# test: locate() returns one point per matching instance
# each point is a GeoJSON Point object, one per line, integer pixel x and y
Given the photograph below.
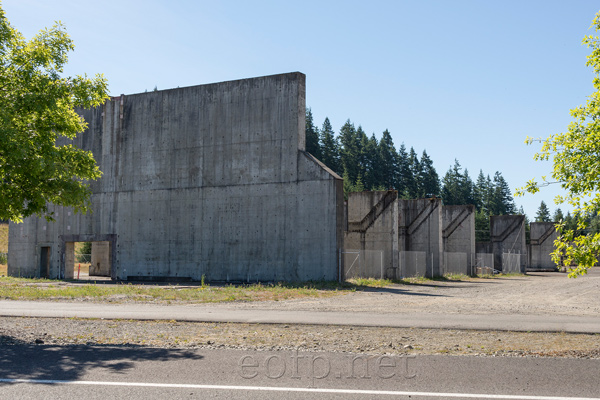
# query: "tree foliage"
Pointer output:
{"type": "Point", "coordinates": [576, 167]}
{"type": "Point", "coordinates": [543, 213]}
{"type": "Point", "coordinates": [36, 108]}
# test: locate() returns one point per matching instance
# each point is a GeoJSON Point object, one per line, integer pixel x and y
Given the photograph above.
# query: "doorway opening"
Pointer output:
{"type": "Point", "coordinates": [45, 262]}
{"type": "Point", "coordinates": [89, 260]}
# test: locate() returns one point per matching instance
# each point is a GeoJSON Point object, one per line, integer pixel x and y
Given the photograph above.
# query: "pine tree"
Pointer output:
{"type": "Point", "coordinates": [405, 176]}
{"type": "Point", "coordinates": [362, 142]}
{"type": "Point", "coordinates": [373, 176]}
{"type": "Point", "coordinates": [543, 213]}
{"type": "Point", "coordinates": [558, 216]}
{"type": "Point", "coordinates": [430, 181]}
{"type": "Point", "coordinates": [312, 136]}
{"type": "Point", "coordinates": [480, 193]}
{"type": "Point", "coordinates": [389, 161]}
{"type": "Point", "coordinates": [502, 202]}
{"type": "Point", "coordinates": [349, 151]}
{"type": "Point", "coordinates": [451, 185]}
{"type": "Point", "coordinates": [330, 152]}
{"type": "Point", "coordinates": [414, 183]}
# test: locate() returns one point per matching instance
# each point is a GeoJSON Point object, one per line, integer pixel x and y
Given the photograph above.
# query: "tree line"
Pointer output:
{"type": "Point", "coordinates": [369, 163]}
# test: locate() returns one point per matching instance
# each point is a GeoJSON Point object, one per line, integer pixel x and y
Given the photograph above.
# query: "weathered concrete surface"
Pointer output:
{"type": "Point", "coordinates": [458, 234]}
{"type": "Point", "coordinates": [508, 237]}
{"type": "Point", "coordinates": [206, 180]}
{"type": "Point", "coordinates": [100, 260]}
{"type": "Point", "coordinates": [373, 230]}
{"type": "Point", "coordinates": [420, 230]}
{"type": "Point", "coordinates": [543, 235]}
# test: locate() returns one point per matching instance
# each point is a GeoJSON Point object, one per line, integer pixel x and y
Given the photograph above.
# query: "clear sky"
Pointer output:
{"type": "Point", "coordinates": [466, 80]}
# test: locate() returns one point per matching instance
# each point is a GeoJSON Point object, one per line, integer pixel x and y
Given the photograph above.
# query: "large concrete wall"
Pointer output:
{"type": "Point", "coordinates": [543, 235]}
{"type": "Point", "coordinates": [458, 234]}
{"type": "Point", "coordinates": [207, 180]}
{"type": "Point", "coordinates": [420, 230]}
{"type": "Point", "coordinates": [508, 237]}
{"type": "Point", "coordinates": [373, 230]}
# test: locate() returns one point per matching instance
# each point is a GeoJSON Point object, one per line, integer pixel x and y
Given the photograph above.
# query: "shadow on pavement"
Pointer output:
{"type": "Point", "coordinates": [22, 360]}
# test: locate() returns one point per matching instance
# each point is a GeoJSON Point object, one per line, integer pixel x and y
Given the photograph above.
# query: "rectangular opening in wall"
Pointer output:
{"type": "Point", "coordinates": [45, 262]}
{"type": "Point", "coordinates": [91, 260]}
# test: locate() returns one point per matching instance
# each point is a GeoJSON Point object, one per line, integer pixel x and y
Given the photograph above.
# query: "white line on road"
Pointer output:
{"type": "Point", "coordinates": [295, 389]}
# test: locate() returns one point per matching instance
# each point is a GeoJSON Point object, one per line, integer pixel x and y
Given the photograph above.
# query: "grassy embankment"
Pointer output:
{"type": "Point", "coordinates": [45, 289]}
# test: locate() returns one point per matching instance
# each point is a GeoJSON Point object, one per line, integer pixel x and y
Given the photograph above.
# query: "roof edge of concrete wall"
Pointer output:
{"type": "Point", "coordinates": [297, 75]}
{"type": "Point", "coordinates": [321, 164]}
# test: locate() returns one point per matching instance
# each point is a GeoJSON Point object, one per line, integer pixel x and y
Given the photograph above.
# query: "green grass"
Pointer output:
{"type": "Point", "coordinates": [47, 289]}
{"type": "Point", "coordinates": [41, 289]}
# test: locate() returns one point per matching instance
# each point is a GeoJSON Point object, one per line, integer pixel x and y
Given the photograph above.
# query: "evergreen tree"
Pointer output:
{"type": "Point", "coordinates": [481, 193]}
{"type": "Point", "coordinates": [430, 181]}
{"type": "Point", "coordinates": [389, 161]}
{"type": "Point", "coordinates": [405, 176]}
{"type": "Point", "coordinates": [502, 202]}
{"type": "Point", "coordinates": [467, 188]}
{"type": "Point", "coordinates": [350, 151]}
{"type": "Point", "coordinates": [374, 174]}
{"type": "Point", "coordinates": [558, 216]}
{"type": "Point", "coordinates": [312, 136]}
{"type": "Point", "coordinates": [330, 153]}
{"type": "Point", "coordinates": [364, 164]}
{"type": "Point", "coordinates": [414, 183]}
{"type": "Point", "coordinates": [453, 186]}
{"type": "Point", "coordinates": [543, 213]}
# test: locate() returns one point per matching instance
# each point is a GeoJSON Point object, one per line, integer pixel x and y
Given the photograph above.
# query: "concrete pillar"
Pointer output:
{"type": "Point", "coordinates": [100, 265]}
{"type": "Point", "coordinates": [70, 260]}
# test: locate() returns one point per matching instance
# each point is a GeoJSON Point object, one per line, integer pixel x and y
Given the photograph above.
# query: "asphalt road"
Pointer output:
{"type": "Point", "coordinates": [212, 313]}
{"type": "Point", "coordinates": [76, 372]}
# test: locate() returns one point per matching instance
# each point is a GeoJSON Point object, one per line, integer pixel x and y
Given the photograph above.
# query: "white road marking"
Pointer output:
{"type": "Point", "coordinates": [295, 389]}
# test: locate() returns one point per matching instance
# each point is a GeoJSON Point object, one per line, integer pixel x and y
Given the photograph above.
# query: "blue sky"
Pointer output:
{"type": "Point", "coordinates": [462, 79]}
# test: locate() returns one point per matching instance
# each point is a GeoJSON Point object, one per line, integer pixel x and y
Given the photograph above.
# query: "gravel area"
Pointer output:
{"type": "Point", "coordinates": [173, 334]}
{"type": "Point", "coordinates": [535, 294]}
{"type": "Point", "coordinates": [538, 293]}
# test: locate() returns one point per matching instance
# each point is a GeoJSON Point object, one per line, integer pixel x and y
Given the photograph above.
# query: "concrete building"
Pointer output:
{"type": "Point", "coordinates": [210, 180]}
{"type": "Point", "coordinates": [542, 237]}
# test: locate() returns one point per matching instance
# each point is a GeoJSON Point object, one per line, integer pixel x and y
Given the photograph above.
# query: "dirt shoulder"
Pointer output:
{"type": "Point", "coordinates": [367, 340]}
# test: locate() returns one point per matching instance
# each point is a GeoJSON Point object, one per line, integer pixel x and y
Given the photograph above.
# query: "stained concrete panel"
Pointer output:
{"type": "Point", "coordinates": [420, 230]}
{"type": "Point", "coordinates": [542, 235]}
{"type": "Point", "coordinates": [373, 227]}
{"type": "Point", "coordinates": [207, 180]}
{"type": "Point", "coordinates": [508, 237]}
{"type": "Point", "coordinates": [458, 234]}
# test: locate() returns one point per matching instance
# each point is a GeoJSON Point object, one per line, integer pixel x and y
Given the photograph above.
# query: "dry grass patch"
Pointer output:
{"type": "Point", "coordinates": [43, 289]}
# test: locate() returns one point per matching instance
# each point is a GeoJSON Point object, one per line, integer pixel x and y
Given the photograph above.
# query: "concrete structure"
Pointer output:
{"type": "Point", "coordinates": [542, 237]}
{"type": "Point", "coordinates": [458, 235]}
{"type": "Point", "coordinates": [508, 243]}
{"type": "Point", "coordinates": [207, 180]}
{"type": "Point", "coordinates": [420, 231]}
{"type": "Point", "coordinates": [100, 261]}
{"type": "Point", "coordinates": [373, 231]}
